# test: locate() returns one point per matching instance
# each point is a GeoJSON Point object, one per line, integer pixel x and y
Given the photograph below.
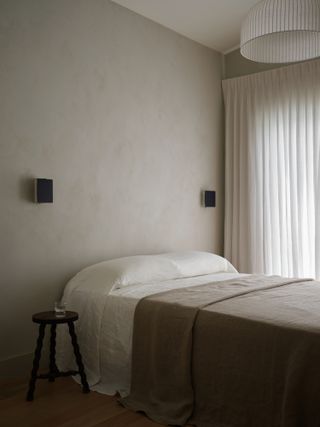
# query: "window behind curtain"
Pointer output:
{"type": "Point", "coordinates": [273, 171]}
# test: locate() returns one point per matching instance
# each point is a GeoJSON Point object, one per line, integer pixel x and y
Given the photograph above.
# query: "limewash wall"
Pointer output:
{"type": "Point", "coordinates": [126, 117]}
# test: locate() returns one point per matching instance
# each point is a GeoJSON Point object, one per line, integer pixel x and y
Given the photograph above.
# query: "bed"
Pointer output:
{"type": "Point", "coordinates": [184, 338]}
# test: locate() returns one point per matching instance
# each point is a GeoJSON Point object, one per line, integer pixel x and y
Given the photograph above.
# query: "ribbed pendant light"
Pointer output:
{"type": "Point", "coordinates": [280, 31]}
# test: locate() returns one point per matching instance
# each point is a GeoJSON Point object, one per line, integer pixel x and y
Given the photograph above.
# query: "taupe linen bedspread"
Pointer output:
{"type": "Point", "coordinates": [238, 353]}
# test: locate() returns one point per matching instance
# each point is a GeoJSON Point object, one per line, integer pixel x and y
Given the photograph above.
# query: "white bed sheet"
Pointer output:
{"type": "Point", "coordinates": [105, 328]}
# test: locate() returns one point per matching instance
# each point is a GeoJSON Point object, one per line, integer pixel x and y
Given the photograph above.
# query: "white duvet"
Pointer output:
{"type": "Point", "coordinates": [105, 326]}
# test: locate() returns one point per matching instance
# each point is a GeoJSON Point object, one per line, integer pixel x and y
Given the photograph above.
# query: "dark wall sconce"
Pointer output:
{"type": "Point", "coordinates": [43, 190]}
{"type": "Point", "coordinates": [209, 199]}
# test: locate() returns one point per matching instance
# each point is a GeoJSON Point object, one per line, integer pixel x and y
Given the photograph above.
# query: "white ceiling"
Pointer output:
{"type": "Point", "coordinates": [213, 23]}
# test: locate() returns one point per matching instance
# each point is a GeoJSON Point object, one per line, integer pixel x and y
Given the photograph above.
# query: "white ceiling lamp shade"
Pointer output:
{"type": "Point", "coordinates": [282, 31]}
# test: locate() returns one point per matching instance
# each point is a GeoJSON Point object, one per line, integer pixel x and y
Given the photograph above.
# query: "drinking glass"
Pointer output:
{"type": "Point", "coordinates": [60, 308]}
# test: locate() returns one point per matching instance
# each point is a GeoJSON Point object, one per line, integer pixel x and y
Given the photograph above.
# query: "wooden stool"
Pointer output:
{"type": "Point", "coordinates": [50, 318]}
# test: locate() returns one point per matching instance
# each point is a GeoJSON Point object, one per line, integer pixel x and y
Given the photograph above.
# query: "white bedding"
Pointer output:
{"type": "Point", "coordinates": [105, 327]}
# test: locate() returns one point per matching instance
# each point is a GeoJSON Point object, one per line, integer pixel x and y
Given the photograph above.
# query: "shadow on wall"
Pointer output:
{"type": "Point", "coordinates": [26, 189]}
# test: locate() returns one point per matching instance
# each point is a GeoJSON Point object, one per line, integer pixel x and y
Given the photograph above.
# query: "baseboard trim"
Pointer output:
{"type": "Point", "coordinates": [16, 367]}
{"type": "Point", "coordinates": [20, 366]}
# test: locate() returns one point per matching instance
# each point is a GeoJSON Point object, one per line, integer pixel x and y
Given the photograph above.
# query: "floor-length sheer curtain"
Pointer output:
{"type": "Point", "coordinates": [272, 222]}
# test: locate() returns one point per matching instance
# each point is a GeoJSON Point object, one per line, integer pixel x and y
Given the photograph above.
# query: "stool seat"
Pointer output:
{"type": "Point", "coordinates": [44, 319]}
{"type": "Point", "coordinates": [50, 317]}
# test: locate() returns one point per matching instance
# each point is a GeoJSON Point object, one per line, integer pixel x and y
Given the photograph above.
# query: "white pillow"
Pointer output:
{"type": "Point", "coordinates": [121, 272]}
{"type": "Point", "coordinates": [195, 263]}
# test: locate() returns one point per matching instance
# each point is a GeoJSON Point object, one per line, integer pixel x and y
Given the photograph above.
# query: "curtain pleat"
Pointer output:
{"type": "Point", "coordinates": [272, 218]}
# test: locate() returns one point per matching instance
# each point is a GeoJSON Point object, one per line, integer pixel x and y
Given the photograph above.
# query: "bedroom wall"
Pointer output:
{"type": "Point", "coordinates": [126, 117]}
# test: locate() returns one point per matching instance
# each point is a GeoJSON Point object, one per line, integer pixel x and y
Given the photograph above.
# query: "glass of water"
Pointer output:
{"type": "Point", "coordinates": [60, 308]}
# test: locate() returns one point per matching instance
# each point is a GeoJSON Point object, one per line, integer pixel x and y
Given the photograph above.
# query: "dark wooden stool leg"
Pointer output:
{"type": "Point", "coordinates": [85, 385]}
{"type": "Point", "coordinates": [53, 367]}
{"type": "Point", "coordinates": [36, 361]}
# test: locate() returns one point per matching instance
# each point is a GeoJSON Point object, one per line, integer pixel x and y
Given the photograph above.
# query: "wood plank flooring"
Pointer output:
{"type": "Point", "coordinates": [61, 404]}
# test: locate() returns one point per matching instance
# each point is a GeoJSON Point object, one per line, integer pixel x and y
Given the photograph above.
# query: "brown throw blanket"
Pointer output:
{"type": "Point", "coordinates": [238, 353]}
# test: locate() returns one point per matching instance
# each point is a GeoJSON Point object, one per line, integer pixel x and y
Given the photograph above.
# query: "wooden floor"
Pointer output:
{"type": "Point", "coordinates": [61, 404]}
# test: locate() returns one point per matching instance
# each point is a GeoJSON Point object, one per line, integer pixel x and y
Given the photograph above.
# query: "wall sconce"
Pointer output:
{"type": "Point", "coordinates": [208, 199]}
{"type": "Point", "coordinates": [43, 190]}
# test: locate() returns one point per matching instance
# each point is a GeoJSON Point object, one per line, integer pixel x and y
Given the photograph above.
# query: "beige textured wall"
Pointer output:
{"type": "Point", "coordinates": [126, 117]}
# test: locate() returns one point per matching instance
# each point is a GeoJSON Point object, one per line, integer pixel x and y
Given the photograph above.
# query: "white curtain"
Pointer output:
{"type": "Point", "coordinates": [272, 221]}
